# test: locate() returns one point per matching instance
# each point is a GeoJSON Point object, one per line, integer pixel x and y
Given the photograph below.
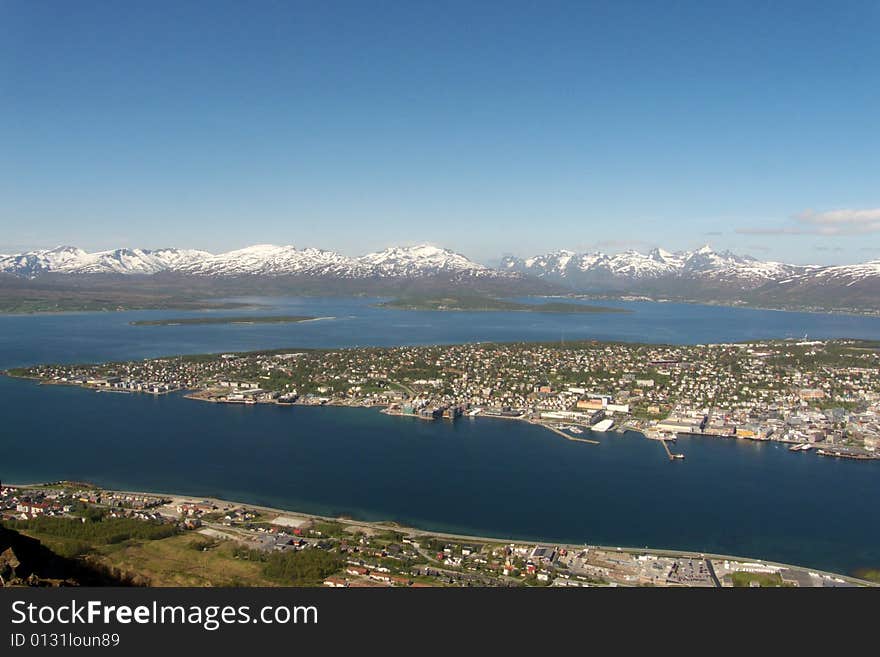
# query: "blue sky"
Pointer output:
{"type": "Point", "coordinates": [489, 128]}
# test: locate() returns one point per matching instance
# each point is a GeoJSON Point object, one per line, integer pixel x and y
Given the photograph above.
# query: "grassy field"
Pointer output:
{"type": "Point", "coordinates": [744, 579]}
{"type": "Point", "coordinates": [178, 561]}
{"type": "Point", "coordinates": [186, 559]}
{"type": "Point", "coordinates": [870, 574]}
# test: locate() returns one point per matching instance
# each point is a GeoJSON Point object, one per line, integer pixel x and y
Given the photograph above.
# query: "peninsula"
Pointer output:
{"type": "Point", "coordinates": [819, 396]}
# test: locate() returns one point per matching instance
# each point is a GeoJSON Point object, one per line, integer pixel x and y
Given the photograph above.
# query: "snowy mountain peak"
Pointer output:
{"type": "Point", "coordinates": [65, 250]}
{"type": "Point", "coordinates": [419, 260]}
{"type": "Point", "coordinates": [661, 255]}
{"type": "Point", "coordinates": [262, 249]}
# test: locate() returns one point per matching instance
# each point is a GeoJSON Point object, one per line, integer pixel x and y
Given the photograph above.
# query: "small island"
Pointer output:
{"type": "Point", "coordinates": [259, 319]}
{"type": "Point", "coordinates": [479, 304]}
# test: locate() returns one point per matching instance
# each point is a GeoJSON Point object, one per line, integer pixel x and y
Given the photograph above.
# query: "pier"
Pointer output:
{"type": "Point", "coordinates": [665, 440]}
{"type": "Point", "coordinates": [567, 436]}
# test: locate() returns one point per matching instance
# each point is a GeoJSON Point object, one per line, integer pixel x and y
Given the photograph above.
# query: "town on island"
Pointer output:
{"type": "Point", "coordinates": [814, 395]}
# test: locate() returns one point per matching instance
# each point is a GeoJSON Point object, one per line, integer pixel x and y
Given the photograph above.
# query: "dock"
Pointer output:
{"type": "Point", "coordinates": [672, 456]}
{"type": "Point", "coordinates": [840, 454]}
{"type": "Point", "coordinates": [568, 436]}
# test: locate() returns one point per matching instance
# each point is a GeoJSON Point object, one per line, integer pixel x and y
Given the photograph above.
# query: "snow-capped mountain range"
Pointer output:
{"type": "Point", "coordinates": [707, 275]}
{"type": "Point", "coordinates": [258, 260]}
{"type": "Point", "coordinates": [701, 274]}
{"type": "Point", "coordinates": [596, 269]}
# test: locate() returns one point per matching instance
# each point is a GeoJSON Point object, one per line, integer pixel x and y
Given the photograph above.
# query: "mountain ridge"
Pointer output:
{"type": "Point", "coordinates": [255, 260]}
{"type": "Point", "coordinates": [702, 275]}
{"type": "Point", "coordinates": [706, 275]}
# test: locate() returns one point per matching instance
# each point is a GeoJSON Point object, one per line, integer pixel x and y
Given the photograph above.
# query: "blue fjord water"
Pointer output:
{"type": "Point", "coordinates": [81, 337]}
{"type": "Point", "coordinates": [481, 476]}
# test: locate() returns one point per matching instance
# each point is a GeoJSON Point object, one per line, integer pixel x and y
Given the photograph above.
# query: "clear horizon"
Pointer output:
{"type": "Point", "coordinates": [486, 130]}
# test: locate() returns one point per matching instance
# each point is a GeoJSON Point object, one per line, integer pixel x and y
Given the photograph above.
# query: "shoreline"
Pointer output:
{"type": "Point", "coordinates": [389, 525]}
{"type": "Point", "coordinates": [593, 310]}
{"type": "Point", "coordinates": [227, 321]}
{"type": "Point", "coordinates": [104, 311]}
{"type": "Point", "coordinates": [813, 310]}
{"type": "Point", "coordinates": [537, 423]}
{"type": "Point", "coordinates": [810, 310]}
{"type": "Point", "coordinates": [197, 395]}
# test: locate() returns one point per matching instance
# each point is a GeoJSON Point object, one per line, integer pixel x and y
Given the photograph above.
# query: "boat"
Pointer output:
{"type": "Point", "coordinates": [575, 430]}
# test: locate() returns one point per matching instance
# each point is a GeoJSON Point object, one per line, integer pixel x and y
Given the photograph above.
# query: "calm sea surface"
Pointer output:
{"type": "Point", "coordinates": [480, 476]}
{"type": "Point", "coordinates": [74, 337]}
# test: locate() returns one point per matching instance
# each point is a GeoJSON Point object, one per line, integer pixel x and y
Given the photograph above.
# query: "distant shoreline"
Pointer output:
{"type": "Point", "coordinates": [240, 319]}
{"type": "Point", "coordinates": [88, 308]}
{"type": "Point", "coordinates": [464, 303]}
{"type": "Point", "coordinates": [207, 304]}
{"type": "Point", "coordinates": [809, 310]}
